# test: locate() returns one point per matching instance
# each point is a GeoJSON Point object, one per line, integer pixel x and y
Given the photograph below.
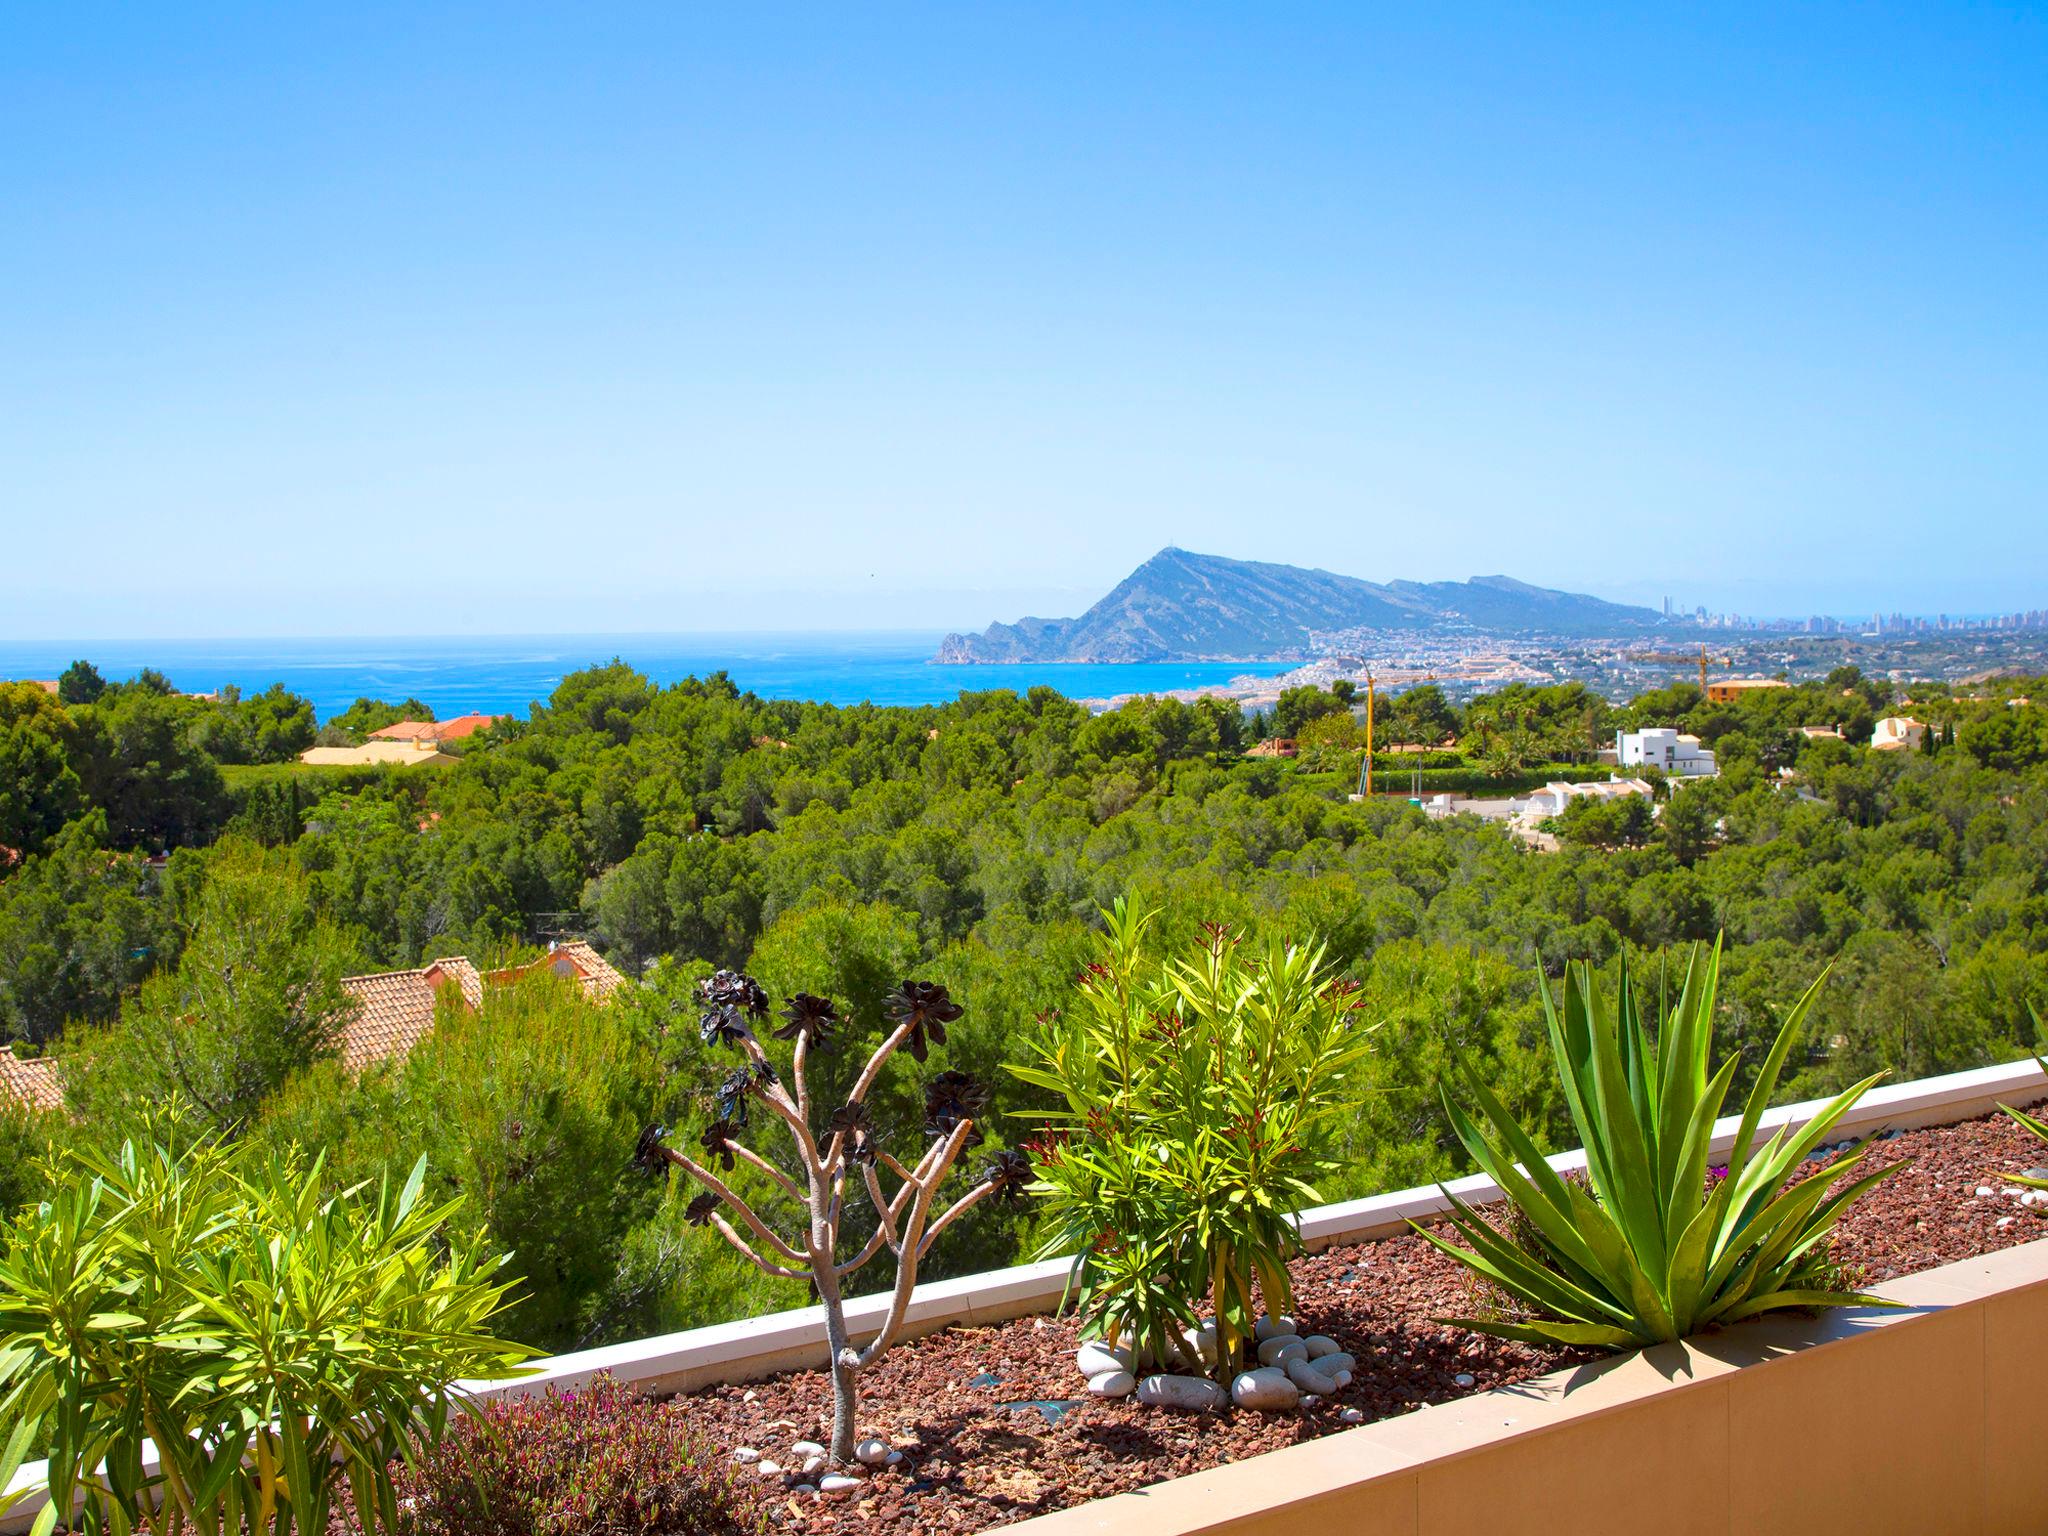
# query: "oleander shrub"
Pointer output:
{"type": "Point", "coordinates": [275, 1340]}
{"type": "Point", "coordinates": [1194, 1099]}
{"type": "Point", "coordinates": [1651, 1246]}
{"type": "Point", "coordinates": [596, 1461]}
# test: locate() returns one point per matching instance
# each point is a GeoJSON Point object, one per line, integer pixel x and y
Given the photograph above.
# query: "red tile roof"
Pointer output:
{"type": "Point", "coordinates": [34, 1083]}
{"type": "Point", "coordinates": [576, 959]}
{"type": "Point", "coordinates": [435, 730]}
{"type": "Point", "coordinates": [396, 1008]}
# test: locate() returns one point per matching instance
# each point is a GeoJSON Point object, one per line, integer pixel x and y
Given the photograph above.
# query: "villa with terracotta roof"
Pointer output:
{"type": "Point", "coordinates": [396, 1008]}
{"type": "Point", "coordinates": [434, 731]}
{"type": "Point", "coordinates": [33, 1083]}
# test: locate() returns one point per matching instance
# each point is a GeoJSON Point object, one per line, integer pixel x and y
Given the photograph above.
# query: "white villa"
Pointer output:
{"type": "Point", "coordinates": [1678, 753]}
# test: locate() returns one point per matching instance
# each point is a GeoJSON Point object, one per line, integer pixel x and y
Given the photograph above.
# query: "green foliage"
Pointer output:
{"type": "Point", "coordinates": [1194, 1104]}
{"type": "Point", "coordinates": [367, 715]}
{"type": "Point", "coordinates": [79, 928]}
{"type": "Point", "coordinates": [80, 683]}
{"type": "Point", "coordinates": [39, 791]}
{"type": "Point", "coordinates": [255, 997]}
{"type": "Point", "coordinates": [139, 763]}
{"type": "Point", "coordinates": [1657, 1249]}
{"type": "Point", "coordinates": [529, 1106]}
{"type": "Point", "coordinates": [277, 1343]}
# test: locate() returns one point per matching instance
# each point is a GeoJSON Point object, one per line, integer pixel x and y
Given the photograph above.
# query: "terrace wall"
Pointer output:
{"type": "Point", "coordinates": [762, 1346]}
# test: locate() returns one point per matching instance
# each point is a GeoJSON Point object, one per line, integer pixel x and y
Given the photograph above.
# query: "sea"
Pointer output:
{"type": "Point", "coordinates": [505, 674]}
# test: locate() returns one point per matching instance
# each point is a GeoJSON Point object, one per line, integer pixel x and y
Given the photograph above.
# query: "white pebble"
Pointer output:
{"type": "Point", "coordinates": [1985, 1191]}
{"type": "Point", "coordinates": [837, 1485]}
{"type": "Point", "coordinates": [1353, 1415]}
{"type": "Point", "coordinates": [746, 1455]}
{"type": "Point", "coordinates": [1465, 1379]}
{"type": "Point", "coordinates": [894, 1457]}
{"type": "Point", "coordinates": [2006, 1221]}
{"type": "Point", "coordinates": [1196, 1394]}
{"type": "Point", "coordinates": [1266, 1390]}
{"type": "Point", "coordinates": [1112, 1384]}
{"type": "Point", "coordinates": [1282, 1348]}
{"type": "Point", "coordinates": [1310, 1399]}
{"type": "Point", "coordinates": [802, 1449]}
{"type": "Point", "coordinates": [1094, 1358]}
{"type": "Point", "coordinates": [813, 1465]}
{"type": "Point", "coordinates": [1272, 1327]}
{"type": "Point", "coordinates": [769, 1469]}
{"type": "Point", "coordinates": [1321, 1344]}
{"type": "Point", "coordinates": [805, 1488]}
{"type": "Point", "coordinates": [871, 1452]}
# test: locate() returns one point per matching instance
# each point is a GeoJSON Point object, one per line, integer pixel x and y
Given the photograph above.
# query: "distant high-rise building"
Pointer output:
{"type": "Point", "coordinates": [1667, 610]}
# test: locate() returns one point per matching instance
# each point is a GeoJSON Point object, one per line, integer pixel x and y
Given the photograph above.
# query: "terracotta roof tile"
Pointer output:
{"type": "Point", "coordinates": [576, 959]}
{"type": "Point", "coordinates": [34, 1083]}
{"type": "Point", "coordinates": [396, 1008]}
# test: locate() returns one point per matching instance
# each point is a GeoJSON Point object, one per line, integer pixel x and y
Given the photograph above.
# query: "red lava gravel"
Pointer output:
{"type": "Point", "coordinates": [994, 1428]}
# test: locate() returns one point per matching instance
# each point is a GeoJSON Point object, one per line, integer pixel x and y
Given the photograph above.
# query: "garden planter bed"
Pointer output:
{"type": "Point", "coordinates": [993, 1427]}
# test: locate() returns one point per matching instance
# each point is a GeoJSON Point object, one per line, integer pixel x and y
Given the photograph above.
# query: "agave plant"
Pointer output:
{"type": "Point", "coordinates": [1654, 1250]}
{"type": "Point", "coordinates": [2033, 1123]}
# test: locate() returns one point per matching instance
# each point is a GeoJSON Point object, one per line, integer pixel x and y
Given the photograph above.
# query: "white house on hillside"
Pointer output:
{"type": "Point", "coordinates": [1677, 753]}
{"type": "Point", "coordinates": [1553, 797]}
{"type": "Point", "coordinates": [1898, 733]}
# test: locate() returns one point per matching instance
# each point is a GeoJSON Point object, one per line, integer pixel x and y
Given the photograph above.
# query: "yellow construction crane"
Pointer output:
{"type": "Point", "coordinates": [1686, 659]}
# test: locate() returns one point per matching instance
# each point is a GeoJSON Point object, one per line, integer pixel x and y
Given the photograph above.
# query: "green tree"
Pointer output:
{"type": "Point", "coordinates": [79, 929]}
{"type": "Point", "coordinates": [256, 996]}
{"type": "Point", "coordinates": [80, 683]}
{"type": "Point", "coordinates": [39, 791]}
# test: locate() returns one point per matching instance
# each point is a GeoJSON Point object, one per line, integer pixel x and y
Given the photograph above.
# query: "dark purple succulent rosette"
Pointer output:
{"type": "Point", "coordinates": [699, 1210]}
{"type": "Point", "coordinates": [951, 1098]}
{"type": "Point", "coordinates": [650, 1152]}
{"type": "Point", "coordinates": [927, 1009]}
{"type": "Point", "coordinates": [1010, 1172]}
{"type": "Point", "coordinates": [729, 1001]}
{"type": "Point", "coordinates": [731, 1096]}
{"type": "Point", "coordinates": [717, 1143]}
{"type": "Point", "coordinates": [812, 1019]}
{"type": "Point", "coordinates": [854, 1122]}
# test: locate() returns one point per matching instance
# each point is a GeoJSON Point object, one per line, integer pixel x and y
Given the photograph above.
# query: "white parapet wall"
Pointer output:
{"type": "Point", "coordinates": [779, 1341]}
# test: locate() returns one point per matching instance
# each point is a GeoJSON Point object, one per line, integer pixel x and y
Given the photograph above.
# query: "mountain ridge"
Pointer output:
{"type": "Point", "coordinates": [1184, 606]}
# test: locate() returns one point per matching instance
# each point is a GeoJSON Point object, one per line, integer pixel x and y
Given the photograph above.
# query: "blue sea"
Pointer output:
{"type": "Point", "coordinates": [503, 674]}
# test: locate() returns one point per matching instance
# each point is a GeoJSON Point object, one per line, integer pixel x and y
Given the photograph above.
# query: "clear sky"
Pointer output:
{"type": "Point", "coordinates": [422, 318]}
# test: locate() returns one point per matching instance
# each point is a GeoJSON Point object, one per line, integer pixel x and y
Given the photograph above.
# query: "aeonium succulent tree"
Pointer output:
{"type": "Point", "coordinates": [845, 1148]}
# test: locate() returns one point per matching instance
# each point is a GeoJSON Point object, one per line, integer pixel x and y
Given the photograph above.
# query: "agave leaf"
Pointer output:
{"type": "Point", "coordinates": [1501, 1261]}
{"type": "Point", "coordinates": [1778, 1299]}
{"type": "Point", "coordinates": [1766, 1083]}
{"type": "Point", "coordinates": [1686, 1178]}
{"type": "Point", "coordinates": [1552, 1218]}
{"type": "Point", "coordinates": [1536, 1331]}
{"type": "Point", "coordinates": [1632, 1194]}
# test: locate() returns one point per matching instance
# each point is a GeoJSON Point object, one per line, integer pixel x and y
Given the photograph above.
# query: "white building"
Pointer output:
{"type": "Point", "coordinates": [1553, 797]}
{"type": "Point", "coordinates": [1898, 733]}
{"type": "Point", "coordinates": [1678, 753]}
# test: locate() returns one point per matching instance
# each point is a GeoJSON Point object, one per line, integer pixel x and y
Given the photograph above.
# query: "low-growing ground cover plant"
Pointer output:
{"type": "Point", "coordinates": [1651, 1248]}
{"type": "Point", "coordinates": [845, 1145]}
{"type": "Point", "coordinates": [274, 1340]}
{"type": "Point", "coordinates": [597, 1461]}
{"type": "Point", "coordinates": [1193, 1096]}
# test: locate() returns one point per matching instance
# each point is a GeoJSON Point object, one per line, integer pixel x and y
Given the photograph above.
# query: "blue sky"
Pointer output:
{"type": "Point", "coordinates": [426, 318]}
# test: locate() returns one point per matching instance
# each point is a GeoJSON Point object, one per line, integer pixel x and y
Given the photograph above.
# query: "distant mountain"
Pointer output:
{"type": "Point", "coordinates": [1179, 606]}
